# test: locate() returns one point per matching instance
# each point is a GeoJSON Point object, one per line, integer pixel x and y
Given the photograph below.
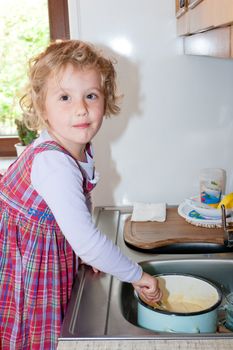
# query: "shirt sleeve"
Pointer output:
{"type": "Point", "coordinates": [58, 179]}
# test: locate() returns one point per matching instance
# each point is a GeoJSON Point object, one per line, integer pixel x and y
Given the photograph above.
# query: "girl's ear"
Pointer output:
{"type": "Point", "coordinates": [43, 118]}
{"type": "Point", "coordinates": [43, 114]}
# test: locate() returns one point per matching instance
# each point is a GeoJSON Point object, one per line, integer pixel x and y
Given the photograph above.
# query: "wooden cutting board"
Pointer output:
{"type": "Point", "coordinates": [149, 235]}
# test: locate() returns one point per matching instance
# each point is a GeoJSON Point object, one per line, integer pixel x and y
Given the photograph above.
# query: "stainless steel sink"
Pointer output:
{"type": "Point", "coordinates": [102, 307]}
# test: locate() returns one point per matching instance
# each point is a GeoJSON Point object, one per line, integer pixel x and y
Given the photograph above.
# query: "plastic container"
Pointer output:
{"type": "Point", "coordinates": [212, 185]}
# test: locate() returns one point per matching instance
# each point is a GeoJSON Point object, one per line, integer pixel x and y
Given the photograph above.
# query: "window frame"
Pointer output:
{"type": "Point", "coordinates": [58, 16]}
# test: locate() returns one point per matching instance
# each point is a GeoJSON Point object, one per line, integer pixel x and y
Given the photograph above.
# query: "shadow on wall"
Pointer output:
{"type": "Point", "coordinates": [113, 128]}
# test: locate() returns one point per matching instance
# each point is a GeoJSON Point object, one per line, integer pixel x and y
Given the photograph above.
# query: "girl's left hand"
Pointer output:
{"type": "Point", "coordinates": [81, 262]}
{"type": "Point", "coordinates": [95, 270]}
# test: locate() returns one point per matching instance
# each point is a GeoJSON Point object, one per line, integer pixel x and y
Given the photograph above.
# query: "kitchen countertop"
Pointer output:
{"type": "Point", "coordinates": [84, 341]}
{"type": "Point", "coordinates": [223, 344]}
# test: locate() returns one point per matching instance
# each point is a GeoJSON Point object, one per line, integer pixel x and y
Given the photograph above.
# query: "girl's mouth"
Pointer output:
{"type": "Point", "coordinates": [81, 126]}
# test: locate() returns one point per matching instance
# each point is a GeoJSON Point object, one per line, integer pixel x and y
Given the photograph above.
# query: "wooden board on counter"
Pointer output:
{"type": "Point", "coordinates": [149, 235]}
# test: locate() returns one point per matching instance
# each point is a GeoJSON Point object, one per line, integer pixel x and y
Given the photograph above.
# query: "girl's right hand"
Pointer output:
{"type": "Point", "coordinates": [148, 288]}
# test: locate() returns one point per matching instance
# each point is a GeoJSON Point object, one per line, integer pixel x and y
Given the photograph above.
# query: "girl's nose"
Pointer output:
{"type": "Point", "coordinates": [81, 109]}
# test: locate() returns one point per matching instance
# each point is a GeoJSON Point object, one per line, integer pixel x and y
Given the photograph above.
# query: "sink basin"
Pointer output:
{"type": "Point", "coordinates": [215, 270]}
{"type": "Point", "coordinates": [102, 307]}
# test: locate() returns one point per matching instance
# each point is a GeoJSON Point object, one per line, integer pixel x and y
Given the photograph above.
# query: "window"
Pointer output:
{"type": "Point", "coordinates": [55, 18]}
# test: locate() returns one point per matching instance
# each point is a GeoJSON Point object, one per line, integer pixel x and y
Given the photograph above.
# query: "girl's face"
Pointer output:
{"type": "Point", "coordinates": [74, 108]}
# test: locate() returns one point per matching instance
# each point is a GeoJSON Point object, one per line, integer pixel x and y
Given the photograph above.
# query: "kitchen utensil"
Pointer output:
{"type": "Point", "coordinates": [160, 305]}
{"type": "Point", "coordinates": [205, 210]}
{"type": "Point", "coordinates": [191, 305]}
{"type": "Point", "coordinates": [192, 215]}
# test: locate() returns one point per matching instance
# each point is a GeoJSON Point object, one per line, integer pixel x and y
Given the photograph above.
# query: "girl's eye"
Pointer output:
{"type": "Point", "coordinates": [65, 98]}
{"type": "Point", "coordinates": [91, 96]}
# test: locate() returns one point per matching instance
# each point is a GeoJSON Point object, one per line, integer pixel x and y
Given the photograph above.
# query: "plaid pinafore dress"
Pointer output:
{"type": "Point", "coordinates": [37, 264]}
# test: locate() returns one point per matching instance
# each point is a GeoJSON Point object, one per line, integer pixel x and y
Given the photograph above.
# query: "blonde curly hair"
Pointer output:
{"type": "Point", "coordinates": [55, 57]}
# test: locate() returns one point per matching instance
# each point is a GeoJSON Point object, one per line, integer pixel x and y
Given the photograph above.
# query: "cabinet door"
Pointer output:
{"type": "Point", "coordinates": [201, 17]}
{"type": "Point", "coordinates": [181, 7]}
{"type": "Point", "coordinates": [182, 24]}
{"type": "Point", "coordinates": [193, 3]}
{"type": "Point", "coordinates": [214, 43]}
{"type": "Point", "coordinates": [231, 44]}
{"type": "Point", "coordinates": [223, 12]}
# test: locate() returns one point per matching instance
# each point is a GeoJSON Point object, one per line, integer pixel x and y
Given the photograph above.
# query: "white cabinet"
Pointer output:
{"type": "Point", "coordinates": [201, 17]}
{"type": "Point", "coordinates": [201, 22]}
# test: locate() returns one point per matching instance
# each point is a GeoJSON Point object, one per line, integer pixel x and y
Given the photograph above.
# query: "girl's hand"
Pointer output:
{"type": "Point", "coordinates": [81, 262]}
{"type": "Point", "coordinates": [95, 270]}
{"type": "Point", "coordinates": [148, 288]}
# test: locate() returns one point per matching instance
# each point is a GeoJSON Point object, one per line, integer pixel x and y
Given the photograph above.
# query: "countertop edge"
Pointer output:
{"type": "Point", "coordinates": [181, 344]}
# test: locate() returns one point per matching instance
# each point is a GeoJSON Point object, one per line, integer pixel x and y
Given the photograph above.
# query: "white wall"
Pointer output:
{"type": "Point", "coordinates": [177, 113]}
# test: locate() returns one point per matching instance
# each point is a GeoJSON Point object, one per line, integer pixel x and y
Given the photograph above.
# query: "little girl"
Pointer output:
{"type": "Point", "coordinates": [45, 206]}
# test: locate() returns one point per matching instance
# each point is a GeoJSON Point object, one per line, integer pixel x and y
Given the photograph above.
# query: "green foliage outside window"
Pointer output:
{"type": "Point", "coordinates": [24, 32]}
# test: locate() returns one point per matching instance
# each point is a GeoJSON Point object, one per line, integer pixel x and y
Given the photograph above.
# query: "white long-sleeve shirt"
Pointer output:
{"type": "Point", "coordinates": [58, 179]}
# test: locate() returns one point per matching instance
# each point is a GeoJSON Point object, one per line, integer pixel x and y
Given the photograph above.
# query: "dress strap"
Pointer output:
{"type": "Point", "coordinates": [49, 146]}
